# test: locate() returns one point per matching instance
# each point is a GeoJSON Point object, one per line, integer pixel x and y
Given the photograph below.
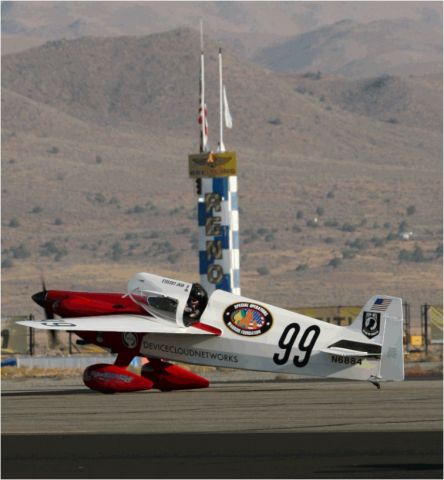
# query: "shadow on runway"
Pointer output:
{"type": "Point", "coordinates": [85, 390]}
{"type": "Point", "coordinates": [48, 393]}
{"type": "Point", "coordinates": [291, 455]}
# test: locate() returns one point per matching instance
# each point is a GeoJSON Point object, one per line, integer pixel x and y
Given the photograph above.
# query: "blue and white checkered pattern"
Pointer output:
{"type": "Point", "coordinates": [228, 220]}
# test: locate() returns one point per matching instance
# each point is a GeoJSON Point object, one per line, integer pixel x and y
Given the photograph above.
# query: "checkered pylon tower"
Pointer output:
{"type": "Point", "coordinates": [216, 181]}
{"type": "Point", "coordinates": [218, 218]}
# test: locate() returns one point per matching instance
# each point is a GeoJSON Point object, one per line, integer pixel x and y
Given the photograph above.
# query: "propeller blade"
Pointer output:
{"type": "Point", "coordinates": [40, 299]}
{"type": "Point", "coordinates": [49, 314]}
{"type": "Point", "coordinates": [42, 280]}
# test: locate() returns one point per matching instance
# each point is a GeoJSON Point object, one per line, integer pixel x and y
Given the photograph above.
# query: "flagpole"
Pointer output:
{"type": "Point", "coordinates": [221, 120]}
{"type": "Point", "coordinates": [202, 91]}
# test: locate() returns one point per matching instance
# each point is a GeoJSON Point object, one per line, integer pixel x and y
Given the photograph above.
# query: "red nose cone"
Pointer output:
{"type": "Point", "coordinates": [111, 378]}
{"type": "Point", "coordinates": [166, 376]}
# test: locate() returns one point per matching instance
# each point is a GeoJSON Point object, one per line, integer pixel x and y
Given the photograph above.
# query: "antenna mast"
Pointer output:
{"type": "Point", "coordinates": [221, 106]}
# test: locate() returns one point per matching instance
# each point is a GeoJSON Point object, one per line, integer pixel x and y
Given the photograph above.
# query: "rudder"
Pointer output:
{"type": "Point", "coordinates": [381, 322]}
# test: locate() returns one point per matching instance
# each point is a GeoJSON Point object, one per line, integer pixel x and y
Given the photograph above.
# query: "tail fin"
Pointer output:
{"type": "Point", "coordinates": [381, 322]}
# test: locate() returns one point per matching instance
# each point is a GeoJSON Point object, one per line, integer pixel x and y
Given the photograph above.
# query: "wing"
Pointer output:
{"type": "Point", "coordinates": [117, 323]}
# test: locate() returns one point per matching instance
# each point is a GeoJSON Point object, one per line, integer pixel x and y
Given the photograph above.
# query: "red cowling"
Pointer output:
{"type": "Point", "coordinates": [166, 376]}
{"type": "Point", "coordinates": [79, 305]}
{"type": "Point", "coordinates": [108, 378]}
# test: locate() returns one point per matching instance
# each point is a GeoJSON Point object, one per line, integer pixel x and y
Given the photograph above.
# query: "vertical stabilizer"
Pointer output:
{"type": "Point", "coordinates": [381, 322]}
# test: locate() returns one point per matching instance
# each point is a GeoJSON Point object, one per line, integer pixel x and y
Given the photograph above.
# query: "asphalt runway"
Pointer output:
{"type": "Point", "coordinates": [299, 429]}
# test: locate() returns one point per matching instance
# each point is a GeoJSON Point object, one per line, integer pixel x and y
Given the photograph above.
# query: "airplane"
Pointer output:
{"type": "Point", "coordinates": [164, 320]}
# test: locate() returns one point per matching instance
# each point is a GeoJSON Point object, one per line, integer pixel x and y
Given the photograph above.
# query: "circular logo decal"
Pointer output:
{"type": "Point", "coordinates": [248, 319]}
{"type": "Point", "coordinates": [129, 339]}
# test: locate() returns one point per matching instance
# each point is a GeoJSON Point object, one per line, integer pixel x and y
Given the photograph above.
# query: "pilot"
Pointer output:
{"type": "Point", "coordinates": [197, 301]}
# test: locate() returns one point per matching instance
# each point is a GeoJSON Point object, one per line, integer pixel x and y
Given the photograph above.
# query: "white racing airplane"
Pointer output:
{"type": "Point", "coordinates": [182, 324]}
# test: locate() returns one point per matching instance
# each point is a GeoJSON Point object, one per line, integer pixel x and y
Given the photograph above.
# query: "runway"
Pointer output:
{"type": "Point", "coordinates": [225, 407]}
{"type": "Point", "coordinates": [299, 429]}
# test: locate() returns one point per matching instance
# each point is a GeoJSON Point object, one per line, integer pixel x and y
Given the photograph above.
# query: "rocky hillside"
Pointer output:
{"type": "Point", "coordinates": [409, 101]}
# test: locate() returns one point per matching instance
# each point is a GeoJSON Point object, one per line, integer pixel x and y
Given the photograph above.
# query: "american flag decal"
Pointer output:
{"type": "Point", "coordinates": [381, 304]}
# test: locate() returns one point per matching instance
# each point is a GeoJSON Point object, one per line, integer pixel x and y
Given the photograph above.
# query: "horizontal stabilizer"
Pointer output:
{"type": "Point", "coordinates": [345, 352]}
{"type": "Point", "coordinates": [349, 348]}
{"type": "Point", "coordinates": [116, 323]}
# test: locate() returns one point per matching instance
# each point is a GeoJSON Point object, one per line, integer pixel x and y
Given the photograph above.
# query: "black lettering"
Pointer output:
{"type": "Point", "coordinates": [306, 344]}
{"type": "Point", "coordinates": [286, 342]}
{"type": "Point", "coordinates": [212, 202]}
{"type": "Point", "coordinates": [212, 226]}
{"type": "Point", "coordinates": [215, 273]}
{"type": "Point", "coordinates": [214, 249]}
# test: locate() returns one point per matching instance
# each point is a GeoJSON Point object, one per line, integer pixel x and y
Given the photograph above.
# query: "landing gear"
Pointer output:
{"type": "Point", "coordinates": [107, 378]}
{"type": "Point", "coordinates": [166, 376]}
{"type": "Point", "coordinates": [375, 381]}
{"type": "Point", "coordinates": [158, 374]}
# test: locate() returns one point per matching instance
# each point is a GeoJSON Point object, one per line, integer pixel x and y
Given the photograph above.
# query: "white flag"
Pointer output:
{"type": "Point", "coordinates": [204, 131]}
{"type": "Point", "coordinates": [227, 114]}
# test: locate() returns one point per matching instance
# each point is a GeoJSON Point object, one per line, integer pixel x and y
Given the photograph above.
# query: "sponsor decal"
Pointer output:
{"type": "Point", "coordinates": [247, 319]}
{"type": "Point", "coordinates": [107, 376]}
{"type": "Point", "coordinates": [129, 339]}
{"type": "Point", "coordinates": [190, 352]}
{"type": "Point", "coordinates": [57, 323]}
{"type": "Point", "coordinates": [371, 324]}
{"type": "Point", "coordinates": [173, 283]}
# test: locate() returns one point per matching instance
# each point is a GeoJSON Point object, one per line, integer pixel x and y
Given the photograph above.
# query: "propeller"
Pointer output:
{"type": "Point", "coordinates": [40, 299]}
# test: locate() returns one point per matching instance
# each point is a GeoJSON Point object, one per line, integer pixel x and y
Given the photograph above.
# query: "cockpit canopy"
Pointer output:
{"type": "Point", "coordinates": [175, 301]}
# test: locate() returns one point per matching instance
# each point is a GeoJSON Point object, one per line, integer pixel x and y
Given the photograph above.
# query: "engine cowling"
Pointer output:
{"type": "Point", "coordinates": [108, 378]}
{"type": "Point", "coordinates": [79, 305]}
{"type": "Point", "coordinates": [165, 376]}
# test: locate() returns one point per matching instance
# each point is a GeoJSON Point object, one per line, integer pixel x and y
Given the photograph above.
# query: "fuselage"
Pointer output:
{"type": "Point", "coordinates": [280, 341]}
{"type": "Point", "coordinates": [245, 335]}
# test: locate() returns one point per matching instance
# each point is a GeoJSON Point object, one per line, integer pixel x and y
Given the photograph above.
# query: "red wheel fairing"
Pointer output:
{"type": "Point", "coordinates": [111, 378]}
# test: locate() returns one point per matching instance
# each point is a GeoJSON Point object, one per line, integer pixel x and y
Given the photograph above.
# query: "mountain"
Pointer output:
{"type": "Point", "coordinates": [248, 27]}
{"type": "Point", "coordinates": [95, 138]}
{"type": "Point", "coordinates": [353, 49]}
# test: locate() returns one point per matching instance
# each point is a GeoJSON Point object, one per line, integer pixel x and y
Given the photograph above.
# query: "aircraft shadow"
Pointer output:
{"type": "Point", "coordinates": [45, 393]}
